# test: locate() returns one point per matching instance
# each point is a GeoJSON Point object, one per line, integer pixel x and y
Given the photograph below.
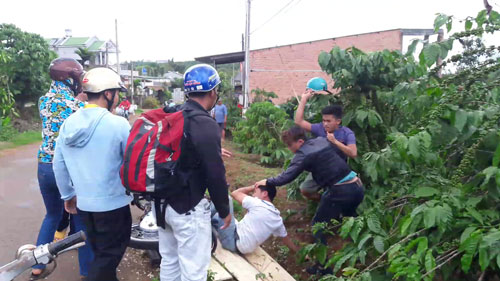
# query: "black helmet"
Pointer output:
{"type": "Point", "coordinates": [62, 69]}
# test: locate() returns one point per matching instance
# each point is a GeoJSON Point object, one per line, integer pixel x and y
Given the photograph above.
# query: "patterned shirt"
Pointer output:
{"type": "Point", "coordinates": [55, 106]}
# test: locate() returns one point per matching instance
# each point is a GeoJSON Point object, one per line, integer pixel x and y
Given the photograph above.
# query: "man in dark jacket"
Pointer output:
{"type": "Point", "coordinates": [343, 189]}
{"type": "Point", "coordinates": [186, 240]}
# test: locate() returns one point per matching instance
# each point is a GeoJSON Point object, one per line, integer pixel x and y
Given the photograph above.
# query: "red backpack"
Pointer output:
{"type": "Point", "coordinates": [155, 150]}
{"type": "Point", "coordinates": [153, 155]}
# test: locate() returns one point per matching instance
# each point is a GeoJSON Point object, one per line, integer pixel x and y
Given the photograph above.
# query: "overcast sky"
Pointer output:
{"type": "Point", "coordinates": [185, 29]}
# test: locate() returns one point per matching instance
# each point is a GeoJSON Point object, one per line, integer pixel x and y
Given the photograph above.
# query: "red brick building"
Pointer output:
{"type": "Point", "coordinates": [286, 69]}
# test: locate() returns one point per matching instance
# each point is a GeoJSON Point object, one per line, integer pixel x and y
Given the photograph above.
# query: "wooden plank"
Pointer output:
{"type": "Point", "coordinates": [264, 263]}
{"type": "Point", "coordinates": [236, 264]}
{"type": "Point", "coordinates": [220, 273]}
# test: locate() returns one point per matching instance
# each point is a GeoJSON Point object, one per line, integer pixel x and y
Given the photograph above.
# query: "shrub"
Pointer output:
{"type": "Point", "coordinates": [150, 102]}
{"type": "Point", "coordinates": [260, 133]}
{"type": "Point", "coordinates": [7, 132]}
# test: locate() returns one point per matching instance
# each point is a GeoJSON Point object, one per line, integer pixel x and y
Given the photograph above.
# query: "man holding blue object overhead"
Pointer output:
{"type": "Point", "coordinates": [341, 137]}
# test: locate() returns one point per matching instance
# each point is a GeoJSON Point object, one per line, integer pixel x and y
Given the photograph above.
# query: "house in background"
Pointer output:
{"type": "Point", "coordinates": [103, 51]}
{"type": "Point", "coordinates": [173, 75]}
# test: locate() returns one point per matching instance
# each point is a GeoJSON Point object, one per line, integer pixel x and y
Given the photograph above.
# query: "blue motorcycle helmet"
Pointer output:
{"type": "Point", "coordinates": [317, 84]}
{"type": "Point", "coordinates": [200, 78]}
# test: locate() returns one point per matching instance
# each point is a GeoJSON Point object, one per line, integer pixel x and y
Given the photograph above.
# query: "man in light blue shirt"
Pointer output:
{"type": "Point", "coordinates": [220, 114]}
{"type": "Point", "coordinates": [87, 161]}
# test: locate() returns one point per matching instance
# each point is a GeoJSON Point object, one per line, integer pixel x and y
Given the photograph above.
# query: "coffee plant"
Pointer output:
{"type": "Point", "coordinates": [260, 133]}
{"type": "Point", "coordinates": [429, 135]}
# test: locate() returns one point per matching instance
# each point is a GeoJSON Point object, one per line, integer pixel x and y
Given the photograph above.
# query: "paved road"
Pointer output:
{"type": "Point", "coordinates": [22, 211]}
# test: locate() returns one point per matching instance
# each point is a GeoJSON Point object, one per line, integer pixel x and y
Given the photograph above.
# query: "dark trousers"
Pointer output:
{"type": "Point", "coordinates": [64, 222]}
{"type": "Point", "coordinates": [336, 202]}
{"type": "Point", "coordinates": [108, 234]}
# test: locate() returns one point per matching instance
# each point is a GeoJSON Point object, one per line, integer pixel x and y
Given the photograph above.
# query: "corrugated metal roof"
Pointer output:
{"type": "Point", "coordinates": [76, 41]}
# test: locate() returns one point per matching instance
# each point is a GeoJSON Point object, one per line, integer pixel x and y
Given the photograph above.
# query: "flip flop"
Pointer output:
{"type": "Point", "coordinates": [60, 235]}
{"type": "Point", "coordinates": [42, 275]}
{"type": "Point", "coordinates": [45, 272]}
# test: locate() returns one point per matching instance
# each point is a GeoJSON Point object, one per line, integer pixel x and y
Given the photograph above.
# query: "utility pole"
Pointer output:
{"type": "Point", "coordinates": [246, 93]}
{"type": "Point", "coordinates": [132, 81]}
{"type": "Point", "coordinates": [107, 54]}
{"type": "Point", "coordinates": [117, 50]}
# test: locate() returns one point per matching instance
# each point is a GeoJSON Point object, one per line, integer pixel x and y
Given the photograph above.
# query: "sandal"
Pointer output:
{"type": "Point", "coordinates": [45, 272]}
{"type": "Point", "coordinates": [42, 275]}
{"type": "Point", "coordinates": [60, 235]}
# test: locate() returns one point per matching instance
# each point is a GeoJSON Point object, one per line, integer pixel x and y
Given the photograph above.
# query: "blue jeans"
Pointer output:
{"type": "Point", "coordinates": [227, 236]}
{"type": "Point", "coordinates": [55, 206]}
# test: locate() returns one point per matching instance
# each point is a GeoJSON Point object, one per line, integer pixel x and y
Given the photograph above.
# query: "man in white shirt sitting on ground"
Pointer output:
{"type": "Point", "coordinates": [260, 222]}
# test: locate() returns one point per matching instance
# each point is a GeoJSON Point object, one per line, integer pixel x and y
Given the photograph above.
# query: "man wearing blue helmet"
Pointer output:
{"type": "Point", "coordinates": [342, 137]}
{"type": "Point", "coordinates": [186, 240]}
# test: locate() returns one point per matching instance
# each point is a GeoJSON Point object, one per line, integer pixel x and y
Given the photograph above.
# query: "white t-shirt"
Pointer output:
{"type": "Point", "coordinates": [261, 221]}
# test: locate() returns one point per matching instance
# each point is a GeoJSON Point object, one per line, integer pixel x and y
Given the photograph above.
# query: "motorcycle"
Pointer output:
{"type": "Point", "coordinates": [144, 235]}
{"type": "Point", "coordinates": [120, 111]}
{"type": "Point", "coordinates": [30, 255]}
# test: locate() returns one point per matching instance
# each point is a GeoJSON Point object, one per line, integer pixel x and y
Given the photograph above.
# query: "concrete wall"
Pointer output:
{"type": "Point", "coordinates": [304, 56]}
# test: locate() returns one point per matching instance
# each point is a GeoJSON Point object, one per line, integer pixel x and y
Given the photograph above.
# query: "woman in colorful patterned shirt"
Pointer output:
{"type": "Point", "coordinates": [55, 106]}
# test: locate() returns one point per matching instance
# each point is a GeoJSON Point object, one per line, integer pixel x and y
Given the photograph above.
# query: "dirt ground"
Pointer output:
{"type": "Point", "coordinates": [245, 169]}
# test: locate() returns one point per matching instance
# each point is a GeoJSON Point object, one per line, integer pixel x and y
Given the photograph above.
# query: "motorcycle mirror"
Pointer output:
{"type": "Point", "coordinates": [24, 249]}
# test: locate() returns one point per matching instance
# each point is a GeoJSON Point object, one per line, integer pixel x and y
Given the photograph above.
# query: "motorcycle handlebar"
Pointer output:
{"type": "Point", "coordinates": [59, 246]}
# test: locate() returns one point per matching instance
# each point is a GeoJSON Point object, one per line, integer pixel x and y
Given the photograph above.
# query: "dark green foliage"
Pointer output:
{"type": "Point", "coordinates": [27, 66]}
{"type": "Point", "coordinates": [430, 160]}
{"type": "Point", "coordinates": [7, 102]}
{"type": "Point", "coordinates": [261, 95]}
{"type": "Point", "coordinates": [85, 54]}
{"type": "Point", "coordinates": [260, 133]}
{"type": "Point", "coordinates": [151, 103]}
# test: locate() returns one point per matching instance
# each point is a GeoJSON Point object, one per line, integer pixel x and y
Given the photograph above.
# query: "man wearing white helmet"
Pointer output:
{"type": "Point", "coordinates": [87, 161]}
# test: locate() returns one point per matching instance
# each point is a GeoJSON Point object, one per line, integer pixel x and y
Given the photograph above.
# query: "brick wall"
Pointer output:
{"type": "Point", "coordinates": [304, 56]}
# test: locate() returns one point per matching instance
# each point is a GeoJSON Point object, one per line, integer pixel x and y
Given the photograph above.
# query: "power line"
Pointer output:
{"type": "Point", "coordinates": [293, 6]}
{"type": "Point", "coordinates": [277, 13]}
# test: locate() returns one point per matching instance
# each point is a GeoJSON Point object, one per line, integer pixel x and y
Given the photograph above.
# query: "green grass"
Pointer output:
{"type": "Point", "coordinates": [24, 138]}
{"type": "Point", "coordinates": [139, 111]}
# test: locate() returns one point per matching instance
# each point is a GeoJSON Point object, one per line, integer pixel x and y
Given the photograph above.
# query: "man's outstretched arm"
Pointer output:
{"type": "Point", "coordinates": [289, 243]}
{"type": "Point", "coordinates": [299, 114]}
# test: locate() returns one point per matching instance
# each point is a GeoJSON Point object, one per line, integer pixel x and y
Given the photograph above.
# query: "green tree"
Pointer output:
{"type": "Point", "coordinates": [261, 95]}
{"type": "Point", "coordinates": [433, 181]}
{"type": "Point", "coordinates": [260, 132]}
{"type": "Point", "coordinates": [7, 101]}
{"type": "Point", "coordinates": [28, 64]}
{"type": "Point", "coordinates": [177, 83]}
{"type": "Point", "coordinates": [85, 55]}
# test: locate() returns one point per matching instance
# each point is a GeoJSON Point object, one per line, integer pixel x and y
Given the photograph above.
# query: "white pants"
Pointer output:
{"type": "Point", "coordinates": [185, 244]}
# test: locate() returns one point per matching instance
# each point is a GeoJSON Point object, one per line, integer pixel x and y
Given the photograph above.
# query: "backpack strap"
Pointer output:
{"type": "Point", "coordinates": [160, 211]}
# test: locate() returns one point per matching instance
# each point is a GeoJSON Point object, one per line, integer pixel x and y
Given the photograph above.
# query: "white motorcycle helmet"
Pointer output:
{"type": "Point", "coordinates": [100, 79]}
